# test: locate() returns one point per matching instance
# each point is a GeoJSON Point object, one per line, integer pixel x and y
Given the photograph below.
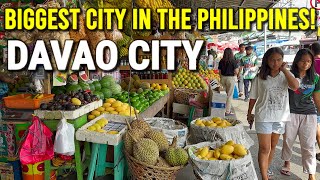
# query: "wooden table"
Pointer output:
{"type": "Point", "coordinates": [157, 106]}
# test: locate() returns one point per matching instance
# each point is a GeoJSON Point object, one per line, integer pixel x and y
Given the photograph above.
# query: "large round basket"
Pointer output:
{"type": "Point", "coordinates": [142, 171]}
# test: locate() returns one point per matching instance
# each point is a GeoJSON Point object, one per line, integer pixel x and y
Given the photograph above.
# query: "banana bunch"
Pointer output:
{"type": "Point", "coordinates": [37, 96]}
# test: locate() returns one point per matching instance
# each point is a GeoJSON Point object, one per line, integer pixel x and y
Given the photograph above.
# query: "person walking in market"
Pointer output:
{"type": "Point", "coordinates": [315, 48]}
{"type": "Point", "coordinates": [229, 70]}
{"type": "Point", "coordinates": [303, 114]}
{"type": "Point", "coordinates": [248, 67]}
{"type": "Point", "coordinates": [238, 57]}
{"type": "Point", "coordinates": [269, 94]}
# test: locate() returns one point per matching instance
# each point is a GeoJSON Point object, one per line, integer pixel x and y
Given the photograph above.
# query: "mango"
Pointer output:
{"type": "Point", "coordinates": [227, 149]}
{"type": "Point", "coordinates": [76, 101]}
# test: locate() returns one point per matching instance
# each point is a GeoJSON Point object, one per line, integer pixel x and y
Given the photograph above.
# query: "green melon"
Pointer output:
{"type": "Point", "coordinates": [99, 94]}
{"type": "Point", "coordinates": [115, 88]}
{"type": "Point", "coordinates": [97, 85]}
{"type": "Point", "coordinates": [73, 87]}
{"type": "Point", "coordinates": [84, 86]}
{"type": "Point", "coordinates": [106, 92]}
{"type": "Point", "coordinates": [92, 87]}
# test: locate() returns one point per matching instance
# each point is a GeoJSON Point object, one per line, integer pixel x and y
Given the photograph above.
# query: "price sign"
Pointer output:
{"type": "Point", "coordinates": [214, 84]}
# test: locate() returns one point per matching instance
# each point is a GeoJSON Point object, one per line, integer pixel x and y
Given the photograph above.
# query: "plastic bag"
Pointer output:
{"type": "Point", "coordinates": [37, 145]}
{"type": "Point", "coordinates": [64, 141]}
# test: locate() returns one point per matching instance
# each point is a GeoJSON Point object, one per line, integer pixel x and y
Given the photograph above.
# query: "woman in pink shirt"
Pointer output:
{"type": "Point", "coordinates": [315, 48]}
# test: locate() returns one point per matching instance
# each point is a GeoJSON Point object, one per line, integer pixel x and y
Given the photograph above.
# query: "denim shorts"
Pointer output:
{"type": "Point", "coordinates": [270, 127]}
{"type": "Point", "coordinates": [318, 120]}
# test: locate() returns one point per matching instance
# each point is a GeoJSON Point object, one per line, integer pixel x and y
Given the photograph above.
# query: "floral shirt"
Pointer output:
{"type": "Point", "coordinates": [249, 64]}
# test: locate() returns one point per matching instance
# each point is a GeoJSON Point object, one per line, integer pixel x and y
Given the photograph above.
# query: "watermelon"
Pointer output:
{"type": "Point", "coordinates": [83, 77]}
{"type": "Point", "coordinates": [58, 90]}
{"type": "Point", "coordinates": [73, 87]}
{"type": "Point", "coordinates": [99, 94]}
{"type": "Point", "coordinates": [106, 92]}
{"type": "Point", "coordinates": [107, 81]}
{"type": "Point", "coordinates": [92, 87]}
{"type": "Point", "coordinates": [73, 79]}
{"type": "Point", "coordinates": [84, 86]}
{"type": "Point", "coordinates": [97, 85]}
{"type": "Point", "coordinates": [115, 88]}
{"type": "Point", "coordinates": [108, 78]}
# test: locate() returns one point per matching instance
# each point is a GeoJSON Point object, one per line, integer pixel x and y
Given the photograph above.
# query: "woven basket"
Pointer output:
{"type": "Point", "coordinates": [183, 96]}
{"type": "Point", "coordinates": [140, 170]}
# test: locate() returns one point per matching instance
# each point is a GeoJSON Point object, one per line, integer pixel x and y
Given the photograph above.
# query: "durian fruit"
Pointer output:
{"type": "Point", "coordinates": [176, 156]}
{"type": "Point", "coordinates": [159, 138]}
{"type": "Point", "coordinates": [162, 163]}
{"type": "Point", "coordinates": [128, 141]}
{"type": "Point", "coordinates": [123, 52]}
{"type": "Point", "coordinates": [145, 150]}
{"type": "Point", "coordinates": [140, 124]}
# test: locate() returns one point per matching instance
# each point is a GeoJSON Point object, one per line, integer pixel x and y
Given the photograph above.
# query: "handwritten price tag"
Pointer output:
{"type": "Point", "coordinates": [214, 84]}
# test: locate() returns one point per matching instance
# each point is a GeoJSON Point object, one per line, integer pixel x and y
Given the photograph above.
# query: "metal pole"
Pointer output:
{"type": "Point", "coordinates": [265, 37]}
{"type": "Point", "coordinates": [290, 31]}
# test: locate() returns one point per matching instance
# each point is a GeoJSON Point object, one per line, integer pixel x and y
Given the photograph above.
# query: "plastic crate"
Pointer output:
{"type": "Point", "coordinates": [20, 101]}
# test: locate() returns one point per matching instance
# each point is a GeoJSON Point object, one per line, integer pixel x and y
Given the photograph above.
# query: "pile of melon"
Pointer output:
{"type": "Point", "coordinates": [105, 88]}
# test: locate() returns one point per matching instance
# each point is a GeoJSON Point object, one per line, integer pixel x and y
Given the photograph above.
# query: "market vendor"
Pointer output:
{"type": "Point", "coordinates": [4, 80]}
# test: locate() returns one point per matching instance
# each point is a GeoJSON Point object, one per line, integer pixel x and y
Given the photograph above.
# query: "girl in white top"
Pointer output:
{"type": "Point", "coordinates": [269, 92]}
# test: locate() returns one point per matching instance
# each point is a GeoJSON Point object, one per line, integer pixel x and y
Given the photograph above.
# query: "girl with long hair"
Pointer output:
{"type": "Point", "coordinates": [304, 103]}
{"type": "Point", "coordinates": [269, 92]}
{"type": "Point", "coordinates": [229, 70]}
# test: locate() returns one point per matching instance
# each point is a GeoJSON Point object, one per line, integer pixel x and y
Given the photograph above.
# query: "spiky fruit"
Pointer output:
{"type": "Point", "coordinates": [140, 124]}
{"type": "Point", "coordinates": [128, 141]}
{"type": "Point", "coordinates": [159, 138]}
{"type": "Point", "coordinates": [146, 150]}
{"type": "Point", "coordinates": [176, 156]}
{"type": "Point", "coordinates": [162, 163]}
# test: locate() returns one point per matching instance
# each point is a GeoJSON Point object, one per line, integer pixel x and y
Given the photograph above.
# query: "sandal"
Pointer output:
{"type": "Point", "coordinates": [285, 171]}
{"type": "Point", "coordinates": [318, 156]}
{"type": "Point", "coordinates": [270, 173]}
{"type": "Point", "coordinates": [228, 113]}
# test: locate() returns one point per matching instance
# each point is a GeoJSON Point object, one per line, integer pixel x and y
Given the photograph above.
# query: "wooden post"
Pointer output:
{"type": "Point", "coordinates": [47, 83]}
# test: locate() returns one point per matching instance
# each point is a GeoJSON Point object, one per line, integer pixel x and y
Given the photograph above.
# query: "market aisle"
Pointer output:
{"type": "Point", "coordinates": [296, 165]}
{"type": "Point", "coordinates": [296, 169]}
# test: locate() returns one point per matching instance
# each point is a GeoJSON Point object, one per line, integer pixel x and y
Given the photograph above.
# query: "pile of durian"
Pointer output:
{"type": "Point", "coordinates": [152, 146]}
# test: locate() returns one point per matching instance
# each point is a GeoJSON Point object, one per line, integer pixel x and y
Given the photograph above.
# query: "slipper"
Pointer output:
{"type": "Point", "coordinates": [270, 173]}
{"type": "Point", "coordinates": [228, 113]}
{"type": "Point", "coordinates": [285, 171]}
